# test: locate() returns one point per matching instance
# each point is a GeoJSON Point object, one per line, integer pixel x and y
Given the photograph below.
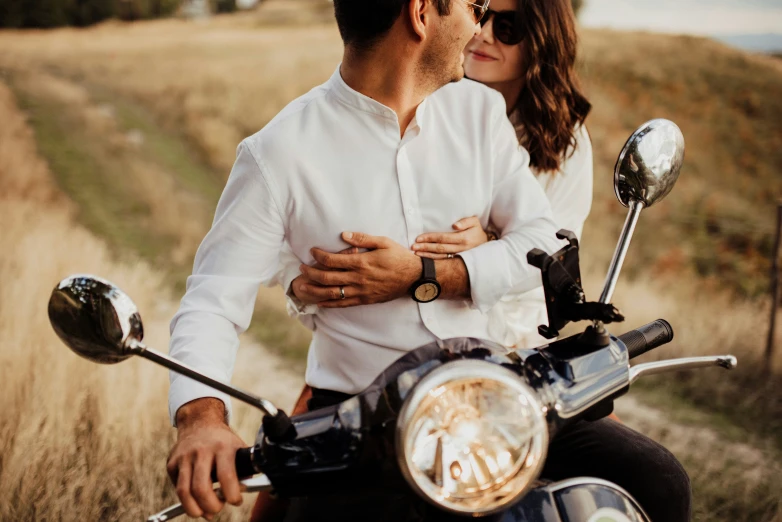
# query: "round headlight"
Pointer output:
{"type": "Point", "coordinates": [471, 437]}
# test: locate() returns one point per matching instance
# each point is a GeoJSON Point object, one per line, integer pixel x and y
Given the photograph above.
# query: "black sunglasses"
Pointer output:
{"type": "Point", "coordinates": [506, 26]}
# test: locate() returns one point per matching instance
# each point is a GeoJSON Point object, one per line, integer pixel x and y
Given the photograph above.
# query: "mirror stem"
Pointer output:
{"type": "Point", "coordinates": [140, 349]}
{"type": "Point", "coordinates": [621, 251]}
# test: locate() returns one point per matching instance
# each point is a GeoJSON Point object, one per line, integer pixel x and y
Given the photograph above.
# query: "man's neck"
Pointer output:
{"type": "Point", "coordinates": [510, 90]}
{"type": "Point", "coordinates": [390, 79]}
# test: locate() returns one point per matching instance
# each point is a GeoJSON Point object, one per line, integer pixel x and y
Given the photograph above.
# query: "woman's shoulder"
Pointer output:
{"type": "Point", "coordinates": [576, 167]}
{"type": "Point", "coordinates": [582, 136]}
{"type": "Point", "coordinates": [582, 144]}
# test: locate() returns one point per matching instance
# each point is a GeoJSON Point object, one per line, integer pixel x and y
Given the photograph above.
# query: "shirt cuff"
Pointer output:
{"type": "Point", "coordinates": [184, 390]}
{"type": "Point", "coordinates": [490, 277]}
{"type": "Point", "coordinates": [295, 307]}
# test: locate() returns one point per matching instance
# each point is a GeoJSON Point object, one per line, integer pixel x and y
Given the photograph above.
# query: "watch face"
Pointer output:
{"type": "Point", "coordinates": [427, 292]}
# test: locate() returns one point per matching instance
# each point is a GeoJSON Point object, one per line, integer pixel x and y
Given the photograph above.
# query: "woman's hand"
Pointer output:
{"type": "Point", "coordinates": [469, 234]}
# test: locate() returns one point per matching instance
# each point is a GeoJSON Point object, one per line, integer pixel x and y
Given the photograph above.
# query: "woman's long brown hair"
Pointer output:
{"type": "Point", "coordinates": [551, 103]}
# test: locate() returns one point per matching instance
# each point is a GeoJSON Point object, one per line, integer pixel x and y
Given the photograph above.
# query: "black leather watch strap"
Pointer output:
{"type": "Point", "coordinates": [429, 271]}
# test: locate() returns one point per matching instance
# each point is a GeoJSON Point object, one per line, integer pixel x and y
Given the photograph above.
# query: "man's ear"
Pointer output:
{"type": "Point", "coordinates": [421, 17]}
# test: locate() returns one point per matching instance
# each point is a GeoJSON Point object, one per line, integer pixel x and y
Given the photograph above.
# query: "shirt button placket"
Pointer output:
{"type": "Point", "coordinates": [414, 224]}
{"type": "Point", "coordinates": [409, 196]}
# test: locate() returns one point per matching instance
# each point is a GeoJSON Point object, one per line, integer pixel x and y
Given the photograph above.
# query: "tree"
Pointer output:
{"type": "Point", "coordinates": [577, 5]}
{"type": "Point", "coordinates": [223, 6]}
{"type": "Point", "coordinates": [11, 14]}
{"type": "Point", "coordinates": [44, 13]}
{"type": "Point", "coordinates": [87, 12]}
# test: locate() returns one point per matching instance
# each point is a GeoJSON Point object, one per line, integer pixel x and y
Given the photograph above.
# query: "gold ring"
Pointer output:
{"type": "Point", "coordinates": [342, 292]}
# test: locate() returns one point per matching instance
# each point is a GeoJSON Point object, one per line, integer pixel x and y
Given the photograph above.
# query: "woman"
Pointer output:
{"type": "Point", "coordinates": [527, 52]}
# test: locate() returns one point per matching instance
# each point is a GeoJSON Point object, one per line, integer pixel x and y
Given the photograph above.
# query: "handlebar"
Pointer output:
{"type": "Point", "coordinates": [647, 338]}
{"type": "Point", "coordinates": [245, 466]}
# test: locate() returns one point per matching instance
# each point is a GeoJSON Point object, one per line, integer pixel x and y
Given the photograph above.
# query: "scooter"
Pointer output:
{"type": "Point", "coordinates": [463, 423]}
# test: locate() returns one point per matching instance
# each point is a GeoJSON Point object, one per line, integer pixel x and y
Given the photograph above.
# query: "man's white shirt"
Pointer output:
{"type": "Point", "coordinates": [333, 161]}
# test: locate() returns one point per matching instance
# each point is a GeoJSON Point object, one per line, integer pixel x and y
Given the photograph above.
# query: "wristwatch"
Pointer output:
{"type": "Point", "coordinates": [426, 289]}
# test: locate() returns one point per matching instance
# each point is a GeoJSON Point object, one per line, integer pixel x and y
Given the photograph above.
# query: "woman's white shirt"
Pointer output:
{"type": "Point", "coordinates": [515, 319]}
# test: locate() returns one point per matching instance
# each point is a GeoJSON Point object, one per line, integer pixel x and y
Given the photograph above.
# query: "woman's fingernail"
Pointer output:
{"type": "Point", "coordinates": [348, 235]}
{"type": "Point", "coordinates": [416, 247]}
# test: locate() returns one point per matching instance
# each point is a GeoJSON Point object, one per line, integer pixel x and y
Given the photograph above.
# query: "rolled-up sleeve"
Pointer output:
{"type": "Point", "coordinates": [240, 252]}
{"type": "Point", "coordinates": [521, 212]}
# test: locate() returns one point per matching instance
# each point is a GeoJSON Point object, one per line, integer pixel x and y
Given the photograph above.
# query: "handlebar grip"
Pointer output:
{"type": "Point", "coordinates": [244, 464]}
{"type": "Point", "coordinates": [647, 338]}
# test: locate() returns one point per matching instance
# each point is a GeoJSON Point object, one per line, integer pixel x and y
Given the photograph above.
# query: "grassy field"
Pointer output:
{"type": "Point", "coordinates": [138, 124]}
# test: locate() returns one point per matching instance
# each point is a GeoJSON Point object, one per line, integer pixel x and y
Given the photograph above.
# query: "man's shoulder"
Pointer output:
{"type": "Point", "coordinates": [285, 125]}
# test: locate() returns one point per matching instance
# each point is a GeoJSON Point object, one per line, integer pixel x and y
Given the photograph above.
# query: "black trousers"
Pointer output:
{"type": "Point", "coordinates": [611, 451]}
{"type": "Point", "coordinates": [602, 449]}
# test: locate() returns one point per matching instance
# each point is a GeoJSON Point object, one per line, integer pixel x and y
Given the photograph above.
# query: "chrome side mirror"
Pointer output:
{"type": "Point", "coordinates": [100, 322]}
{"type": "Point", "coordinates": [649, 163]}
{"type": "Point", "coordinates": [95, 319]}
{"type": "Point", "coordinates": [645, 173]}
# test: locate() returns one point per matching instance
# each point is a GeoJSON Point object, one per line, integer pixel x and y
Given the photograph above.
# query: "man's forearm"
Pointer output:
{"type": "Point", "coordinates": [207, 410]}
{"type": "Point", "coordinates": [453, 278]}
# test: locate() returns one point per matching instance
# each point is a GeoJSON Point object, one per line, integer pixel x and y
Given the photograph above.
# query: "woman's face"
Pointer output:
{"type": "Point", "coordinates": [488, 60]}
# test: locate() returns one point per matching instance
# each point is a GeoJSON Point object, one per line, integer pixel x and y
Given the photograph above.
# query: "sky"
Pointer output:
{"type": "Point", "coordinates": [700, 17]}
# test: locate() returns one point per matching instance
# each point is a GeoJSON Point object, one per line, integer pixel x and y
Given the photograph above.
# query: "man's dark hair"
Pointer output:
{"type": "Point", "coordinates": [363, 22]}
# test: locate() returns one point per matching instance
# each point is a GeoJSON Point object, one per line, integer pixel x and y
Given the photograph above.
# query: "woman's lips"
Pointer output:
{"type": "Point", "coordinates": [481, 57]}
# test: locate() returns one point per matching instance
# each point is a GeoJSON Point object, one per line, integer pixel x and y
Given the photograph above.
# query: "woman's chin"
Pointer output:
{"type": "Point", "coordinates": [480, 71]}
{"type": "Point", "coordinates": [479, 74]}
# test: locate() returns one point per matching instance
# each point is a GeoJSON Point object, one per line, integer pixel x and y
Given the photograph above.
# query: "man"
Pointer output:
{"type": "Point", "coordinates": [377, 151]}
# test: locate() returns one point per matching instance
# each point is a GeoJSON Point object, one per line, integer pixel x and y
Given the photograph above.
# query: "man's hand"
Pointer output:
{"type": "Point", "coordinates": [383, 274]}
{"type": "Point", "coordinates": [204, 441]}
{"type": "Point", "coordinates": [309, 292]}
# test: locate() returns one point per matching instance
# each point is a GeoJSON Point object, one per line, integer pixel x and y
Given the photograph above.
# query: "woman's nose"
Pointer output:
{"type": "Point", "coordinates": [487, 30]}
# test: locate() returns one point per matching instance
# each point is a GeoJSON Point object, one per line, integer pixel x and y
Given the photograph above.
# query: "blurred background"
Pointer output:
{"type": "Point", "coordinates": [119, 121]}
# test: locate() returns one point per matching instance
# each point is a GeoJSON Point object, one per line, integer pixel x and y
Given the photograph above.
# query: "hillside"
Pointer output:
{"type": "Point", "coordinates": [719, 220]}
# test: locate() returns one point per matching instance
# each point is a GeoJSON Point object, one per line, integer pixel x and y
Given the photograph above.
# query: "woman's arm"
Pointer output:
{"type": "Point", "coordinates": [468, 234]}
{"type": "Point", "coordinates": [569, 191]}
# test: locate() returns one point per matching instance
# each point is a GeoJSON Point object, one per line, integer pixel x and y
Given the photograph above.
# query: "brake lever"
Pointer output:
{"type": "Point", "coordinates": [728, 362]}
{"type": "Point", "coordinates": [251, 485]}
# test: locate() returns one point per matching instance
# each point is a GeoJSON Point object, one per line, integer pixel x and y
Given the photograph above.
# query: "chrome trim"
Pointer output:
{"type": "Point", "coordinates": [584, 481]}
{"type": "Point", "coordinates": [570, 399]}
{"type": "Point", "coordinates": [250, 485]}
{"type": "Point", "coordinates": [473, 369]}
{"type": "Point", "coordinates": [621, 251]}
{"type": "Point", "coordinates": [728, 362]}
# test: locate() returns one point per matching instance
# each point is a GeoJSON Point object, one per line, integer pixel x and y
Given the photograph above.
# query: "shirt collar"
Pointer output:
{"type": "Point", "coordinates": [362, 102]}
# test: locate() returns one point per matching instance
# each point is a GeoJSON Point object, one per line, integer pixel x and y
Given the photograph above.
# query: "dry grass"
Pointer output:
{"type": "Point", "coordinates": [79, 441]}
